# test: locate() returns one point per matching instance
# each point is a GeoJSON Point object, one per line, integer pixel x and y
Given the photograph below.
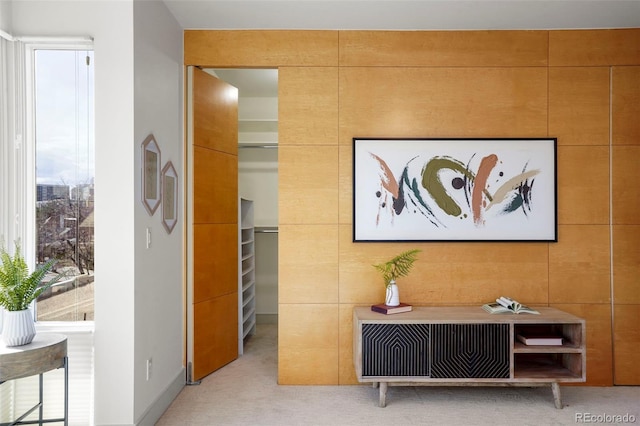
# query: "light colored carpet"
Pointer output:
{"type": "Point", "coordinates": [246, 392]}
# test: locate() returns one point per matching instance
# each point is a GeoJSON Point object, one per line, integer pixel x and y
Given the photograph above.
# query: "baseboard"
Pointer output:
{"type": "Point", "coordinates": [266, 318]}
{"type": "Point", "coordinates": [163, 401]}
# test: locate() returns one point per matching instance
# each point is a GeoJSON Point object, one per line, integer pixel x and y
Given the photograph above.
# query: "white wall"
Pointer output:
{"type": "Point", "coordinates": [158, 89]}
{"type": "Point", "coordinates": [138, 304]}
{"type": "Point", "coordinates": [5, 16]}
{"type": "Point", "coordinates": [258, 168]}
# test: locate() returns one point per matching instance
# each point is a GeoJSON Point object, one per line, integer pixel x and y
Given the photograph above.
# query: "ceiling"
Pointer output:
{"type": "Point", "coordinates": [252, 83]}
{"type": "Point", "coordinates": [392, 15]}
{"type": "Point", "coordinates": [405, 14]}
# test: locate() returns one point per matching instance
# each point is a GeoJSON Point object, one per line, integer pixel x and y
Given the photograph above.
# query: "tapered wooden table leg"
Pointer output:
{"type": "Point", "coordinates": [557, 398]}
{"type": "Point", "coordinates": [383, 394]}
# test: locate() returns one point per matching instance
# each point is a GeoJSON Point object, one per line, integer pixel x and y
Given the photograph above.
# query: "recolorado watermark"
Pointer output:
{"type": "Point", "coordinates": [605, 418]}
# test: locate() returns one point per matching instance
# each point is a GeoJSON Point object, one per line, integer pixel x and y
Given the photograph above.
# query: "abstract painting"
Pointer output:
{"type": "Point", "coordinates": [454, 189]}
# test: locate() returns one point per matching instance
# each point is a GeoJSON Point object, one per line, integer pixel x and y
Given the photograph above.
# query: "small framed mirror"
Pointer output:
{"type": "Point", "coordinates": [170, 197]}
{"type": "Point", "coordinates": [151, 190]}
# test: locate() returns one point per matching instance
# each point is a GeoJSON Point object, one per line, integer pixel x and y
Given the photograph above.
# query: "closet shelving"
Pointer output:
{"type": "Point", "coordinates": [266, 125]}
{"type": "Point", "coordinates": [258, 182]}
{"type": "Point", "coordinates": [258, 133]}
{"type": "Point", "coordinates": [247, 274]}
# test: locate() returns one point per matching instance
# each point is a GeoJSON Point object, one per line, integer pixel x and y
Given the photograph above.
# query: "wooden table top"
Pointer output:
{"type": "Point", "coordinates": [46, 352]}
{"type": "Point", "coordinates": [465, 314]}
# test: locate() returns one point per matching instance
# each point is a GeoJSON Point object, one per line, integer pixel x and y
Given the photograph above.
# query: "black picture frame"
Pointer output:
{"type": "Point", "coordinates": [455, 189]}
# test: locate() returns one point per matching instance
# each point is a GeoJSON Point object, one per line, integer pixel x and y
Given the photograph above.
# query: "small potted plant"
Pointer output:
{"type": "Point", "coordinates": [399, 266]}
{"type": "Point", "coordinates": [18, 288]}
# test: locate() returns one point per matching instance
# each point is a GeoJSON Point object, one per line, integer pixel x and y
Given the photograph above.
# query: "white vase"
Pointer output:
{"type": "Point", "coordinates": [18, 328]}
{"type": "Point", "coordinates": [393, 294]}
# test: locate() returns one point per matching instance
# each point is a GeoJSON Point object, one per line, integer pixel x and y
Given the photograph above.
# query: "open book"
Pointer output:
{"type": "Point", "coordinates": [506, 305]}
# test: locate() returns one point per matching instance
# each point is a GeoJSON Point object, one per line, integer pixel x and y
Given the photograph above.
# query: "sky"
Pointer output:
{"type": "Point", "coordinates": [64, 117]}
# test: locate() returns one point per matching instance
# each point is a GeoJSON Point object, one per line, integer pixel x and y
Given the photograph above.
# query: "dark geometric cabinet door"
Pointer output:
{"type": "Point", "coordinates": [470, 351]}
{"type": "Point", "coordinates": [395, 350]}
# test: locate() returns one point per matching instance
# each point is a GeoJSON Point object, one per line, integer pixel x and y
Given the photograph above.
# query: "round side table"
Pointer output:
{"type": "Point", "coordinates": [46, 352]}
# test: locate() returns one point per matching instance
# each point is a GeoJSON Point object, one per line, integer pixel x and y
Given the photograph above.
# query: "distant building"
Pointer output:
{"type": "Point", "coordinates": [52, 192]}
{"type": "Point", "coordinates": [83, 192]}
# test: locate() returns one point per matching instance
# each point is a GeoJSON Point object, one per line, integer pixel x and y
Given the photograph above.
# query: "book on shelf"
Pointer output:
{"type": "Point", "coordinates": [388, 310]}
{"type": "Point", "coordinates": [506, 305]}
{"type": "Point", "coordinates": [539, 340]}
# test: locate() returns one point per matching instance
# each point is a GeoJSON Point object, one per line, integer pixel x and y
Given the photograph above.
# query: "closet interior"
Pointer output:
{"type": "Point", "coordinates": [258, 195]}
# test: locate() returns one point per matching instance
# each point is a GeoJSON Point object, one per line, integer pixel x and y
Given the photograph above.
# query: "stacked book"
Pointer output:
{"type": "Point", "coordinates": [539, 340]}
{"type": "Point", "coordinates": [388, 310]}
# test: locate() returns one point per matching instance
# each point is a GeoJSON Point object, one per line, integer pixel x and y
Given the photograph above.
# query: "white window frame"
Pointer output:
{"type": "Point", "coordinates": [28, 213]}
{"type": "Point", "coordinates": [18, 195]}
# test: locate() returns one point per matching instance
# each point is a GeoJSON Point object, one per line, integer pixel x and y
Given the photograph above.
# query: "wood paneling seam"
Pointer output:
{"type": "Point", "coordinates": [611, 265]}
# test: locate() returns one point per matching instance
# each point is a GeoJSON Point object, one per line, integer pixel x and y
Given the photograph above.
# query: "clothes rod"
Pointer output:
{"type": "Point", "coordinates": [258, 146]}
{"type": "Point", "coordinates": [266, 230]}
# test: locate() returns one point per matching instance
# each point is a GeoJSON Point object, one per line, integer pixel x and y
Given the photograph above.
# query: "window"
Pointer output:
{"type": "Point", "coordinates": [64, 172]}
{"type": "Point", "coordinates": [46, 194]}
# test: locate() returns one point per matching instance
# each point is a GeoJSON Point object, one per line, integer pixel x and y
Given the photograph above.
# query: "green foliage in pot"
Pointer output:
{"type": "Point", "coordinates": [18, 288]}
{"type": "Point", "coordinates": [399, 266]}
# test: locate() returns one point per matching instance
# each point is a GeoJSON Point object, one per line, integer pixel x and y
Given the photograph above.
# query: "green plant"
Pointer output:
{"type": "Point", "coordinates": [399, 266]}
{"type": "Point", "coordinates": [18, 288]}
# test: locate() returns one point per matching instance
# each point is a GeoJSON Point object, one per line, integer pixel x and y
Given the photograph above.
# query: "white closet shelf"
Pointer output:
{"type": "Point", "coordinates": [249, 316]}
{"type": "Point", "coordinates": [264, 125]}
{"type": "Point", "coordinates": [248, 285]}
{"type": "Point", "coordinates": [248, 326]}
{"type": "Point", "coordinates": [247, 256]}
{"type": "Point", "coordinates": [248, 300]}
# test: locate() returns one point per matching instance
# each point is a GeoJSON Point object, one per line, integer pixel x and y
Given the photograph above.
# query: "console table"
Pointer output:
{"type": "Point", "coordinates": [453, 346]}
{"type": "Point", "coordinates": [46, 352]}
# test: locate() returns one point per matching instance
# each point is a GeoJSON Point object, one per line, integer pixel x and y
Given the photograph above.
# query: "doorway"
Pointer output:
{"type": "Point", "coordinates": [258, 182]}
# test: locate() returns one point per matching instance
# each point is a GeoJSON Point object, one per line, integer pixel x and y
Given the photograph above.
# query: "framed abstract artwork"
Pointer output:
{"type": "Point", "coordinates": [169, 197]}
{"type": "Point", "coordinates": [151, 191]}
{"type": "Point", "coordinates": [454, 189]}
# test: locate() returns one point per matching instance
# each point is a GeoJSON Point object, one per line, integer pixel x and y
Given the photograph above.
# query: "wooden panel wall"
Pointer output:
{"type": "Point", "coordinates": [260, 49]}
{"type": "Point", "coordinates": [336, 85]}
{"type": "Point", "coordinates": [626, 223]}
{"type": "Point", "coordinates": [618, 52]}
